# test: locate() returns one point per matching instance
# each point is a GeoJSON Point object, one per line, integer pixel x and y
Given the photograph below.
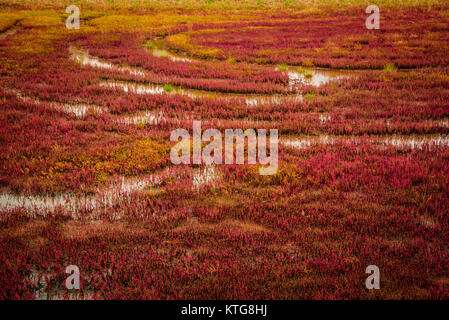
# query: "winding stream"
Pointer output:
{"type": "Point", "coordinates": [113, 194]}
{"type": "Point", "coordinates": [9, 32]}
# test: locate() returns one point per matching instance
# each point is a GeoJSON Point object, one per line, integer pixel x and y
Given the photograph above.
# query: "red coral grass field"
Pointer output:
{"type": "Point", "coordinates": [86, 176]}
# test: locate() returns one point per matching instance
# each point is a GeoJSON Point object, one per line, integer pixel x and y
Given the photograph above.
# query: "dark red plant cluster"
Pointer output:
{"type": "Point", "coordinates": [126, 49]}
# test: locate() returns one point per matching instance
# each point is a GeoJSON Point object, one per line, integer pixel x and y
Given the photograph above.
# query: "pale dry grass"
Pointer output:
{"type": "Point", "coordinates": [30, 233]}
